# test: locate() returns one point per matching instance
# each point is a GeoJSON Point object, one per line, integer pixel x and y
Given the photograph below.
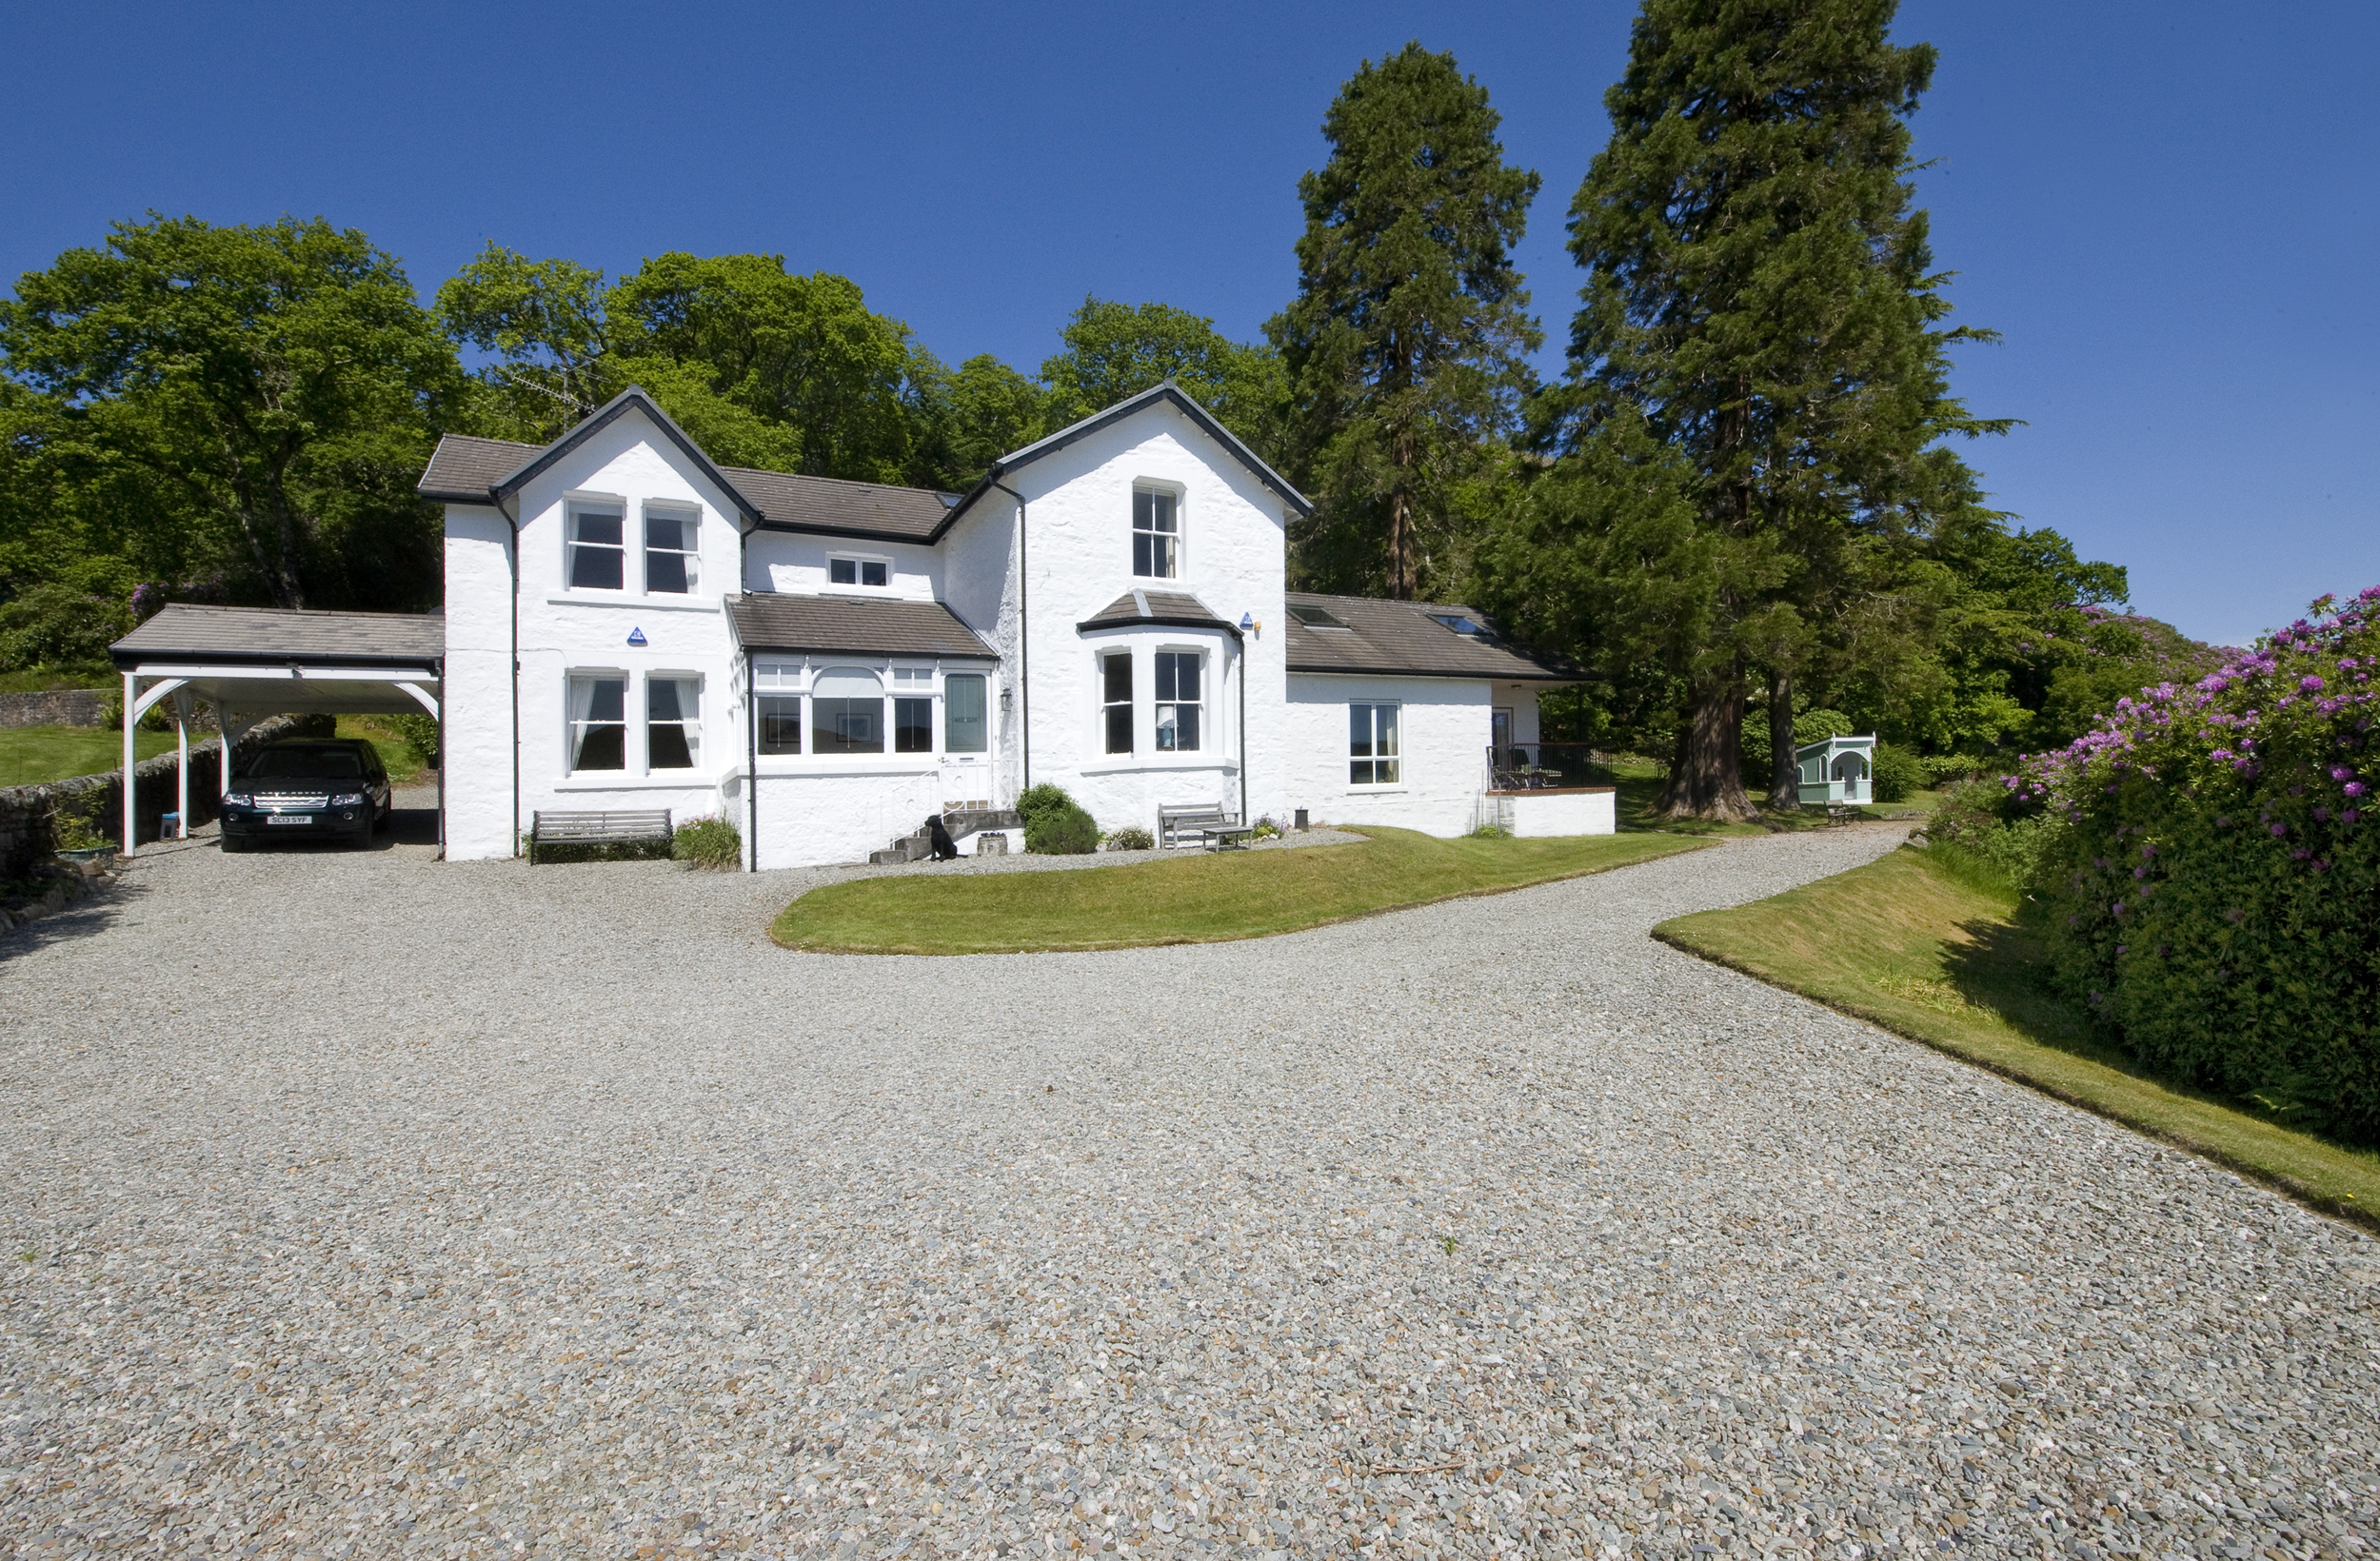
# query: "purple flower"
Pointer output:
{"type": "Point", "coordinates": [2322, 815]}
{"type": "Point", "coordinates": [2279, 830]}
{"type": "Point", "coordinates": [2351, 817]}
{"type": "Point", "coordinates": [2340, 772]}
{"type": "Point", "coordinates": [2122, 948]}
{"type": "Point", "coordinates": [2309, 684]}
{"type": "Point", "coordinates": [2116, 909]}
{"type": "Point", "coordinates": [2220, 755]}
{"type": "Point", "coordinates": [2150, 849]}
{"type": "Point", "coordinates": [2354, 788]}
{"type": "Point", "coordinates": [2140, 872]}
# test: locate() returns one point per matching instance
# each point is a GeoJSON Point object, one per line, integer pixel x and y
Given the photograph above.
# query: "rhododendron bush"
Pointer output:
{"type": "Point", "coordinates": [2211, 878]}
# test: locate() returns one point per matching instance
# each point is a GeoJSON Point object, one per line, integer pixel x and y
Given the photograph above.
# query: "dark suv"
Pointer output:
{"type": "Point", "coordinates": [308, 790]}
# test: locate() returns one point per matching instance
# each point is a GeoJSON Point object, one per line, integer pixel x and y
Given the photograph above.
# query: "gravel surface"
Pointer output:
{"type": "Point", "coordinates": [366, 1205]}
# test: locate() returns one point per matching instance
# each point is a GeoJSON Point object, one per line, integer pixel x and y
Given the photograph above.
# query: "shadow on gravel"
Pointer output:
{"type": "Point", "coordinates": [88, 919]}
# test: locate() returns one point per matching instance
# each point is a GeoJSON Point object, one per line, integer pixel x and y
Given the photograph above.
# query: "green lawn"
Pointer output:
{"type": "Point", "coordinates": [1910, 944]}
{"type": "Point", "coordinates": [1638, 782]}
{"type": "Point", "coordinates": [1197, 899]}
{"type": "Point", "coordinates": [405, 765]}
{"type": "Point", "coordinates": [32, 754]}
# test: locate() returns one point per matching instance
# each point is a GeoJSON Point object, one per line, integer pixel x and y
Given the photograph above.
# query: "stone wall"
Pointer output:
{"type": "Point", "coordinates": [60, 707]}
{"type": "Point", "coordinates": [25, 834]}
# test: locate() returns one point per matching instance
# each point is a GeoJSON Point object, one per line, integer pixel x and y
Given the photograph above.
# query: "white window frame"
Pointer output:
{"type": "Point", "coordinates": [608, 505]}
{"type": "Point", "coordinates": [1395, 782]}
{"type": "Point", "coordinates": [688, 515]}
{"type": "Point", "coordinates": [1158, 704]}
{"type": "Point", "coordinates": [982, 680]}
{"type": "Point", "coordinates": [859, 562]}
{"type": "Point", "coordinates": [1130, 703]}
{"type": "Point", "coordinates": [1181, 555]}
{"type": "Point", "coordinates": [811, 724]}
{"type": "Point", "coordinates": [695, 748]}
{"type": "Point", "coordinates": [781, 678]}
{"type": "Point", "coordinates": [912, 683]}
{"type": "Point", "coordinates": [570, 737]}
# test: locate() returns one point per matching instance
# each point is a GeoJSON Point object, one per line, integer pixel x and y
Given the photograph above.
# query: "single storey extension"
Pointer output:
{"type": "Point", "coordinates": [630, 627]}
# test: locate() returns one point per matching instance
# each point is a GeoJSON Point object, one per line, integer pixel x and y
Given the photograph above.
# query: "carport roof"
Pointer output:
{"type": "Point", "coordinates": [278, 636]}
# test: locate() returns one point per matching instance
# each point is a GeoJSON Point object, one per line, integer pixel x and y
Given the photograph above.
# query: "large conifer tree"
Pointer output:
{"type": "Point", "coordinates": [1405, 342]}
{"type": "Point", "coordinates": [1761, 301]}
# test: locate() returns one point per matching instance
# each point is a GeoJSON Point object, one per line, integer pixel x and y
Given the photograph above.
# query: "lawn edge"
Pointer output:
{"type": "Point", "coordinates": [2279, 1181]}
{"type": "Point", "coordinates": [1693, 844]}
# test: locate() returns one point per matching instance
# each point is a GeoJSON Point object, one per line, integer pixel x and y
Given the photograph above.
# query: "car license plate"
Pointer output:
{"type": "Point", "coordinates": [289, 819]}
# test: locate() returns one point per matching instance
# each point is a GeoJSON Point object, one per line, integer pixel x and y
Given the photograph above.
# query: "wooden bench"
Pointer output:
{"type": "Point", "coordinates": [634, 826]}
{"type": "Point", "coordinates": [1194, 819]}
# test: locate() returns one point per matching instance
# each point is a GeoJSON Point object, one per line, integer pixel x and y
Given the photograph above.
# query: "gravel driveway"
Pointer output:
{"type": "Point", "coordinates": [366, 1205]}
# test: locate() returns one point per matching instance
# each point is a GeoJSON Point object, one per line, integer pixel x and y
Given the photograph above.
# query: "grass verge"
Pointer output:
{"type": "Point", "coordinates": [1910, 944]}
{"type": "Point", "coordinates": [30, 754]}
{"type": "Point", "coordinates": [403, 761]}
{"type": "Point", "coordinates": [1197, 898]}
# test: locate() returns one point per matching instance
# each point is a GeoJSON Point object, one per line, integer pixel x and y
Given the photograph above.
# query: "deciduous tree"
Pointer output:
{"type": "Point", "coordinates": [1114, 350]}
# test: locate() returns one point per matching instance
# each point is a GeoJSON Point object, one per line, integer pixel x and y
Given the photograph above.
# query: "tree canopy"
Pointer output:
{"type": "Point", "coordinates": [244, 406]}
{"type": "Point", "coordinates": [1405, 345]}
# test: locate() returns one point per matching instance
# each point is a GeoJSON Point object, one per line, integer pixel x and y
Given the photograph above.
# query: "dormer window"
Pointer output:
{"type": "Point", "coordinates": [1156, 534]}
{"type": "Point", "coordinates": [842, 571]}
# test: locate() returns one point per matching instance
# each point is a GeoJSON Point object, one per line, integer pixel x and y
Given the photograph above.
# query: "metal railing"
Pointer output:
{"type": "Point", "coordinates": [1540, 766]}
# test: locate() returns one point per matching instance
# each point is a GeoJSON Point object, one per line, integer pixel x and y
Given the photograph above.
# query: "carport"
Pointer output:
{"type": "Point", "coordinates": [254, 662]}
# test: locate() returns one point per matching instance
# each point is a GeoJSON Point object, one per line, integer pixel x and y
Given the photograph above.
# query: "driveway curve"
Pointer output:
{"type": "Point", "coordinates": [366, 1205]}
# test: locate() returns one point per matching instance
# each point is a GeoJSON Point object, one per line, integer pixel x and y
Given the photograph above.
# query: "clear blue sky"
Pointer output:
{"type": "Point", "coordinates": [2169, 208]}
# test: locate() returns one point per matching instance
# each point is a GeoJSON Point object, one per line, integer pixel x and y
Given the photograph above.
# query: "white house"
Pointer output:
{"type": "Point", "coordinates": [631, 626]}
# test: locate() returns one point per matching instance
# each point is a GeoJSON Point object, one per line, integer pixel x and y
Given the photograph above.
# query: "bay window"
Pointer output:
{"type": "Point", "coordinates": [1178, 703]}
{"type": "Point", "coordinates": [1116, 700]}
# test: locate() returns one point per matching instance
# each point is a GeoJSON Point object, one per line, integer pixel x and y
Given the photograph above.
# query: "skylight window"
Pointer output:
{"type": "Point", "coordinates": [1458, 622]}
{"type": "Point", "coordinates": [1315, 618]}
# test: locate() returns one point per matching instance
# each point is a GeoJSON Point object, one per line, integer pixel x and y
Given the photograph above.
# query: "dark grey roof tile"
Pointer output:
{"type": "Point", "coordinates": [1401, 637]}
{"type": "Point", "coordinates": [853, 625]}
{"type": "Point", "coordinates": [186, 631]}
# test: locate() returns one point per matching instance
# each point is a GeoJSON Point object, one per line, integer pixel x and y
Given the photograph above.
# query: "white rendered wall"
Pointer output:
{"type": "Point", "coordinates": [565, 631]}
{"type": "Point", "coordinates": [1078, 559]}
{"type": "Point", "coordinates": [797, 563]}
{"type": "Point", "coordinates": [477, 689]}
{"type": "Point", "coordinates": [823, 819]}
{"type": "Point", "coordinates": [1443, 733]}
{"type": "Point", "coordinates": [979, 574]}
{"type": "Point", "coordinates": [1561, 812]}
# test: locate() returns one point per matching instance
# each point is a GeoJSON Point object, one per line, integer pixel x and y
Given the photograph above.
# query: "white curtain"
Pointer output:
{"type": "Point", "coordinates": [581, 706]}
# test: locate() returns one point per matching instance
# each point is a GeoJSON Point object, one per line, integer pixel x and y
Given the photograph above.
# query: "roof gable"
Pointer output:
{"type": "Point", "coordinates": [1166, 392]}
{"type": "Point", "coordinates": [632, 399]}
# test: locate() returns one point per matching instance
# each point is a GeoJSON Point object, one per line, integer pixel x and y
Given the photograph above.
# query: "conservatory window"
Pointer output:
{"type": "Point", "coordinates": [1116, 701]}
{"type": "Point", "coordinates": [669, 553]}
{"type": "Point", "coordinates": [598, 558]}
{"type": "Point", "coordinates": [1177, 701]}
{"type": "Point", "coordinates": [598, 724]}
{"type": "Point", "coordinates": [1371, 744]}
{"type": "Point", "coordinates": [847, 712]}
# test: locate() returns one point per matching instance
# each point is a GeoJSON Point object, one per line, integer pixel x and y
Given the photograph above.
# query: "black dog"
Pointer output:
{"type": "Point", "coordinates": [945, 849]}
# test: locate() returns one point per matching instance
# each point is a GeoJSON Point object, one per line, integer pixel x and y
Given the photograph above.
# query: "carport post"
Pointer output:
{"type": "Point", "coordinates": [223, 724]}
{"type": "Point", "coordinates": [182, 751]}
{"type": "Point", "coordinates": [131, 815]}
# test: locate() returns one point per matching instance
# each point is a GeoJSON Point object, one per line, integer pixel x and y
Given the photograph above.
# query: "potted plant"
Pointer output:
{"type": "Point", "coordinates": [74, 834]}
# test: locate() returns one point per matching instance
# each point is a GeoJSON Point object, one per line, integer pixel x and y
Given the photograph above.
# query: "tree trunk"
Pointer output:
{"type": "Point", "coordinates": [1401, 582]}
{"type": "Point", "coordinates": [1706, 778]}
{"type": "Point", "coordinates": [1784, 775]}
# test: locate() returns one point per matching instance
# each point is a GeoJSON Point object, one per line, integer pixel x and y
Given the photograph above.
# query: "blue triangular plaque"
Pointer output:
{"type": "Point", "coordinates": [636, 637]}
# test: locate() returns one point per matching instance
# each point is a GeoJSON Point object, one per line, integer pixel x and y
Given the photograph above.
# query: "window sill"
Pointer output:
{"type": "Point", "coordinates": [621, 781]}
{"type": "Point", "coordinates": [778, 766]}
{"type": "Point", "coordinates": [1128, 764]}
{"type": "Point", "coordinates": [667, 602]}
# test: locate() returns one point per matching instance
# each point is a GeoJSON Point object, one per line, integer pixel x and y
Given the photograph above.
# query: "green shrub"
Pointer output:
{"type": "Point", "coordinates": [1898, 774]}
{"type": "Point", "coordinates": [547, 853]}
{"type": "Point", "coordinates": [1131, 838]}
{"type": "Point", "coordinates": [420, 730]}
{"type": "Point", "coordinates": [1046, 798]}
{"type": "Point", "coordinates": [1945, 770]}
{"type": "Point", "coordinates": [1264, 829]}
{"type": "Point", "coordinates": [1809, 726]}
{"type": "Point", "coordinates": [2212, 866]}
{"type": "Point", "coordinates": [1490, 832]}
{"type": "Point", "coordinates": [712, 844]}
{"type": "Point", "coordinates": [1061, 831]}
{"type": "Point", "coordinates": [56, 626]}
